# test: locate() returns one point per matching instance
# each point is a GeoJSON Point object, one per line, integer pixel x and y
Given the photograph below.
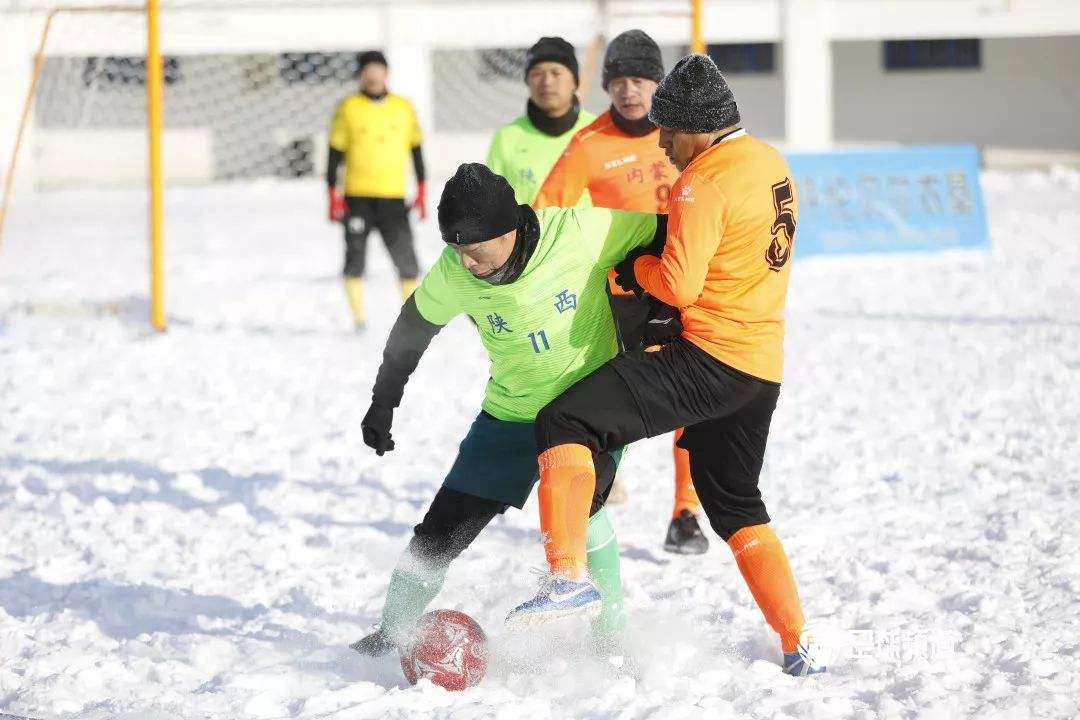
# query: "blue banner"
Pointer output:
{"type": "Point", "coordinates": [889, 200]}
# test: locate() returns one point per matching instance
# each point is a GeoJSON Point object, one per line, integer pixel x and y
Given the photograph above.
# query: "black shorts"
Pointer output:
{"type": "Point", "coordinates": [641, 394]}
{"type": "Point", "coordinates": [631, 314]}
{"type": "Point", "coordinates": [642, 322]}
{"type": "Point", "coordinates": [390, 217]}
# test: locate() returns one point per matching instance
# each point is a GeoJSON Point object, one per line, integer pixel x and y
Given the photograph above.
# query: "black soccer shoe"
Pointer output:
{"type": "Point", "coordinates": [376, 644]}
{"type": "Point", "coordinates": [684, 536]}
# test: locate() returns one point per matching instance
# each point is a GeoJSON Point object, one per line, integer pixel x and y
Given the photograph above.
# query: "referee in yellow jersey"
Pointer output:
{"type": "Point", "coordinates": [374, 132]}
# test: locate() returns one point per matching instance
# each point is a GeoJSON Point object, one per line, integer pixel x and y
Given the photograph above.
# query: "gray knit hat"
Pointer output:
{"type": "Point", "coordinates": [633, 54]}
{"type": "Point", "coordinates": [694, 98]}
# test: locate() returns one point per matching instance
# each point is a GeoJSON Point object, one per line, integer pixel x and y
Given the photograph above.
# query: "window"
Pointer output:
{"type": "Point", "coordinates": [315, 68]}
{"type": "Point", "coordinates": [932, 54]}
{"type": "Point", "coordinates": [115, 71]}
{"type": "Point", "coordinates": [505, 63]}
{"type": "Point", "coordinates": [744, 58]}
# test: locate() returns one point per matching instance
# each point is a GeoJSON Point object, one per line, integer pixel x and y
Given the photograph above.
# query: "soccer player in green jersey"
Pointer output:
{"type": "Point", "coordinates": [534, 285]}
{"type": "Point", "coordinates": [525, 150]}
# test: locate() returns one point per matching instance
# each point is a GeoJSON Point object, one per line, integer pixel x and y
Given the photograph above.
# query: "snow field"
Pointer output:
{"type": "Point", "coordinates": [194, 529]}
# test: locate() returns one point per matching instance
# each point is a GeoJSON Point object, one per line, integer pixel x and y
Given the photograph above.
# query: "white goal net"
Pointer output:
{"type": "Point", "coordinates": [250, 85]}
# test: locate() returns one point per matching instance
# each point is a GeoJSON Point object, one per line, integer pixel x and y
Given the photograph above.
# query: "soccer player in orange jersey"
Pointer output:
{"type": "Point", "coordinates": [725, 265]}
{"type": "Point", "coordinates": [617, 158]}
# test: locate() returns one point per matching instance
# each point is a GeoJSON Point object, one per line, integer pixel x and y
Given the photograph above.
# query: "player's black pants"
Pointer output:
{"type": "Point", "coordinates": [642, 394]}
{"type": "Point", "coordinates": [390, 217]}
{"type": "Point", "coordinates": [456, 518]}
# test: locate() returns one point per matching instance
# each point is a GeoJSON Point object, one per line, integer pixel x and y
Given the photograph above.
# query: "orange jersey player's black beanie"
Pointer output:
{"type": "Point", "coordinates": [552, 49]}
{"type": "Point", "coordinates": [694, 98]}
{"type": "Point", "coordinates": [633, 54]}
{"type": "Point", "coordinates": [476, 205]}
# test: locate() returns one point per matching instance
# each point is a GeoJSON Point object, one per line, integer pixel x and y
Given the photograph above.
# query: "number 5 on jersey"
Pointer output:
{"type": "Point", "coordinates": [783, 228]}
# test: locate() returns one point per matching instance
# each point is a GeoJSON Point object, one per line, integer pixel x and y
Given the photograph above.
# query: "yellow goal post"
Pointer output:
{"type": "Point", "coordinates": [154, 100]}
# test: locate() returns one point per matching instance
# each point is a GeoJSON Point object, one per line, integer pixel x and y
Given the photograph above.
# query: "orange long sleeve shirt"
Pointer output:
{"type": "Point", "coordinates": [620, 171]}
{"type": "Point", "coordinates": [731, 226]}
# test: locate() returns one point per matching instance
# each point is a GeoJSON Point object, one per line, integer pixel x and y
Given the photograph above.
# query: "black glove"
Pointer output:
{"type": "Point", "coordinates": [624, 273]}
{"type": "Point", "coordinates": [664, 324]}
{"type": "Point", "coordinates": [376, 428]}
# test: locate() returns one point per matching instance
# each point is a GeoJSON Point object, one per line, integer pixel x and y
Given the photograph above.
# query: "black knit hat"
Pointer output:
{"type": "Point", "coordinates": [552, 49]}
{"type": "Point", "coordinates": [694, 98]}
{"type": "Point", "coordinates": [368, 57]}
{"type": "Point", "coordinates": [633, 54]}
{"type": "Point", "coordinates": [476, 205]}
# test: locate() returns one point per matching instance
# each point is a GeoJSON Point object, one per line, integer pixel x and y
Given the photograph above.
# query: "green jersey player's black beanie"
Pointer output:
{"type": "Point", "coordinates": [476, 205]}
{"type": "Point", "coordinates": [633, 54]}
{"type": "Point", "coordinates": [552, 49]}
{"type": "Point", "coordinates": [694, 98]}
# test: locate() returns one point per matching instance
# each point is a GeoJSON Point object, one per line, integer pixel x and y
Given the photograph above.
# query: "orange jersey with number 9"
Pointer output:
{"type": "Point", "coordinates": [621, 172]}
{"type": "Point", "coordinates": [731, 229]}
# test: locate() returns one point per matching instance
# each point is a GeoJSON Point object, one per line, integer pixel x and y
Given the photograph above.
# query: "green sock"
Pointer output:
{"type": "Point", "coordinates": [602, 554]}
{"type": "Point", "coordinates": [413, 584]}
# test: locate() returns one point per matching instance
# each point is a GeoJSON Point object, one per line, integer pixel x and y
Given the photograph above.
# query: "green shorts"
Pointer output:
{"type": "Point", "coordinates": [497, 461]}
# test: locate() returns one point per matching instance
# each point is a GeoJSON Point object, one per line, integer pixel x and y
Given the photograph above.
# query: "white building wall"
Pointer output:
{"type": "Point", "coordinates": [1026, 95]}
{"type": "Point", "coordinates": [761, 101]}
{"type": "Point", "coordinates": [18, 37]}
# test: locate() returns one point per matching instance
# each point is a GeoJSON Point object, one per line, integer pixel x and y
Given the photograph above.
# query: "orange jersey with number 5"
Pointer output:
{"type": "Point", "coordinates": [731, 227]}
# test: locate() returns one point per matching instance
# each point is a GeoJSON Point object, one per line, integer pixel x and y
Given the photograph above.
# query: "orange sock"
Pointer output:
{"type": "Point", "coordinates": [764, 565]}
{"type": "Point", "coordinates": [567, 484]}
{"type": "Point", "coordinates": [685, 495]}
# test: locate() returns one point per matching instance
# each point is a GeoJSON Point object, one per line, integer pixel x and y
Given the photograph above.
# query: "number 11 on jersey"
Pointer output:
{"type": "Point", "coordinates": [540, 336]}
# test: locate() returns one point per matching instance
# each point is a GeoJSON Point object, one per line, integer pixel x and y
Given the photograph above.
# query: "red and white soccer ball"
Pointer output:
{"type": "Point", "coordinates": [447, 648]}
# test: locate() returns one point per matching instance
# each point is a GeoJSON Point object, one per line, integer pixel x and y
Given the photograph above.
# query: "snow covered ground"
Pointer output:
{"type": "Point", "coordinates": [192, 527]}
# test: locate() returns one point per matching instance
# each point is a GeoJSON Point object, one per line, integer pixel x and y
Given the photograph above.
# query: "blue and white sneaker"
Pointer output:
{"type": "Point", "coordinates": [802, 662]}
{"type": "Point", "coordinates": [558, 597]}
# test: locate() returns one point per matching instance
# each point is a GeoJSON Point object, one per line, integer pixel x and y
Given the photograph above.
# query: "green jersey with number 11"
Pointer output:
{"type": "Point", "coordinates": [552, 326]}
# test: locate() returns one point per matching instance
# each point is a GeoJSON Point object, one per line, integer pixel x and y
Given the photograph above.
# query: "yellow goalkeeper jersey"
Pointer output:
{"type": "Point", "coordinates": [377, 137]}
